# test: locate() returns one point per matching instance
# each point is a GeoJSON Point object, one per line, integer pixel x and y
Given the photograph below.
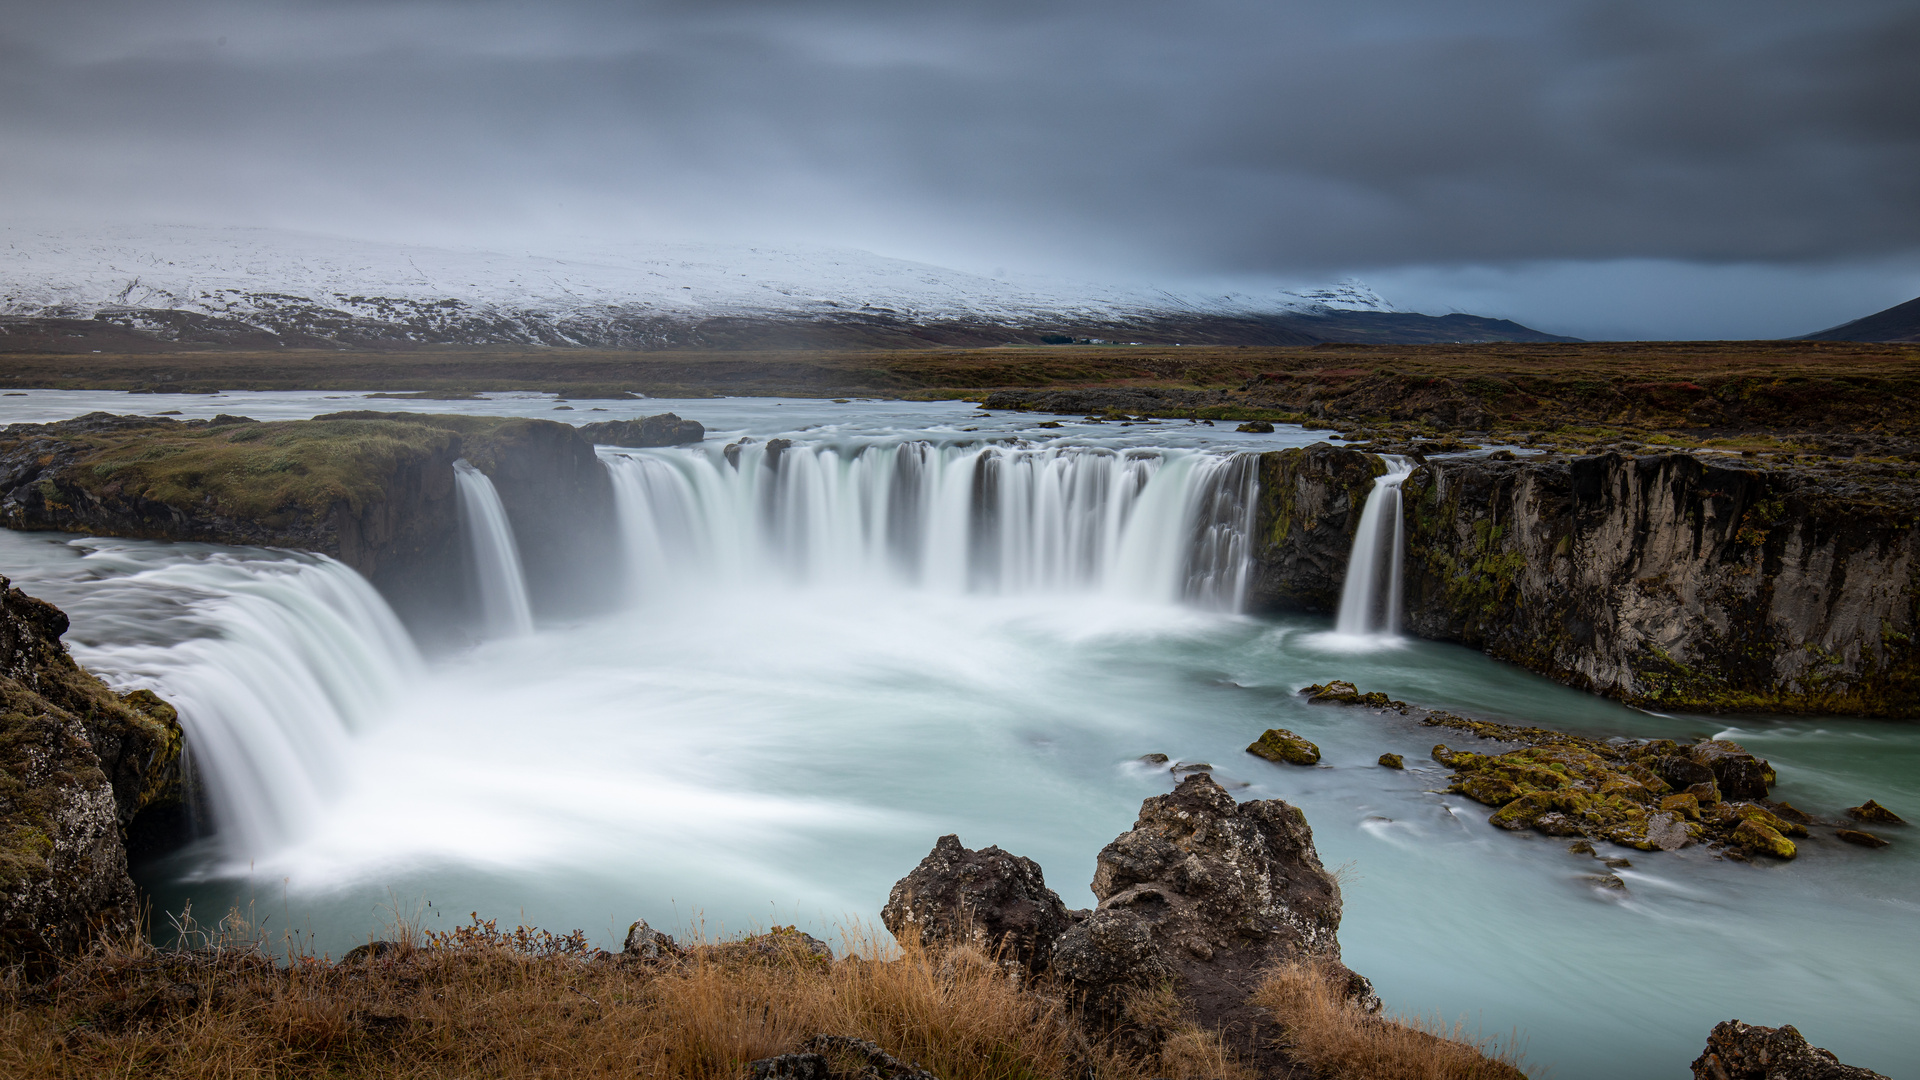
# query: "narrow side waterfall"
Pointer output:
{"type": "Point", "coordinates": [501, 583]}
{"type": "Point", "coordinates": [274, 660]}
{"type": "Point", "coordinates": [1159, 525]}
{"type": "Point", "coordinates": [1370, 600]}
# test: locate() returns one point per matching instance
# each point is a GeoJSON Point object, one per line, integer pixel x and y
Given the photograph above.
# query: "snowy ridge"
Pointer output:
{"type": "Point", "coordinates": [287, 281]}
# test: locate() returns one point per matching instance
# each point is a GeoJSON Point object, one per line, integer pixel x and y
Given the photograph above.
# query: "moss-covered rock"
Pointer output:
{"type": "Point", "coordinates": [1874, 813]}
{"type": "Point", "coordinates": [1281, 745]}
{"type": "Point", "coordinates": [1757, 839]}
{"type": "Point", "coordinates": [1392, 761]}
{"type": "Point", "coordinates": [1337, 692]}
{"type": "Point", "coordinates": [78, 765]}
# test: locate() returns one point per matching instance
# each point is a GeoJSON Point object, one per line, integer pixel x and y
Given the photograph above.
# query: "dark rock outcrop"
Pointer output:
{"type": "Point", "coordinates": [374, 490]}
{"type": "Point", "coordinates": [1309, 507]}
{"type": "Point", "coordinates": [989, 898]}
{"type": "Point", "coordinates": [1210, 893]}
{"type": "Point", "coordinates": [1737, 1051]}
{"type": "Point", "coordinates": [1670, 581]}
{"type": "Point", "coordinates": [80, 765]}
{"type": "Point", "coordinates": [664, 429]}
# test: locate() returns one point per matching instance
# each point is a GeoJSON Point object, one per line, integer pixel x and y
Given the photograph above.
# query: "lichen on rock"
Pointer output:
{"type": "Point", "coordinates": [1281, 745]}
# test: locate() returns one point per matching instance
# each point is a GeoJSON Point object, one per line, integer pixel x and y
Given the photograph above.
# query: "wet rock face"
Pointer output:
{"type": "Point", "coordinates": [1309, 506]}
{"type": "Point", "coordinates": [80, 764]}
{"type": "Point", "coordinates": [1737, 1051]}
{"type": "Point", "coordinates": [990, 898]}
{"type": "Point", "coordinates": [1674, 581]}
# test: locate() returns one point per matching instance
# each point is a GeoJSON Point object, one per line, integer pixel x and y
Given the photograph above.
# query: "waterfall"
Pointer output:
{"type": "Point", "coordinates": [273, 659]}
{"type": "Point", "coordinates": [495, 557]}
{"type": "Point", "coordinates": [1378, 549]}
{"type": "Point", "coordinates": [1160, 525]}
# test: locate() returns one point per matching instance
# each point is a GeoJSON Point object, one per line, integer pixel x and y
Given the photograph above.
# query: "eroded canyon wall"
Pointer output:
{"type": "Point", "coordinates": [1673, 581]}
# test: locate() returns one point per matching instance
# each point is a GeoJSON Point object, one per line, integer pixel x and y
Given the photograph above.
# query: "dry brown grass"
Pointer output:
{"type": "Point", "coordinates": [481, 1003]}
{"type": "Point", "coordinates": [496, 1006]}
{"type": "Point", "coordinates": [1327, 1033]}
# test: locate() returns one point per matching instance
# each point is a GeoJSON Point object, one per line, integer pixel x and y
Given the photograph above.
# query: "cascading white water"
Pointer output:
{"type": "Point", "coordinates": [499, 579]}
{"type": "Point", "coordinates": [1370, 599]}
{"type": "Point", "coordinates": [1159, 525]}
{"type": "Point", "coordinates": [273, 659]}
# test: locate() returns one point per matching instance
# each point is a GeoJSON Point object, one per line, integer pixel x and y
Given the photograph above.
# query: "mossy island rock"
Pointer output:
{"type": "Point", "coordinates": [1256, 427]}
{"type": "Point", "coordinates": [1567, 785]}
{"type": "Point", "coordinates": [1392, 761]}
{"type": "Point", "coordinates": [1281, 745]}
{"type": "Point", "coordinates": [1873, 813]}
{"type": "Point", "coordinates": [1861, 839]}
{"type": "Point", "coordinates": [1337, 692]}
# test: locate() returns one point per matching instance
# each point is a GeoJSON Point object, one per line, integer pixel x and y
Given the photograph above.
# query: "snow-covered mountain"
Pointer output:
{"type": "Point", "coordinates": [197, 283]}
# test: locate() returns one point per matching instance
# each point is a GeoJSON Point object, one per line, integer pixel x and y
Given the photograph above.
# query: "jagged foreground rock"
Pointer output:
{"type": "Point", "coordinates": [78, 765]}
{"type": "Point", "coordinates": [1202, 891]}
{"type": "Point", "coordinates": [1737, 1051]}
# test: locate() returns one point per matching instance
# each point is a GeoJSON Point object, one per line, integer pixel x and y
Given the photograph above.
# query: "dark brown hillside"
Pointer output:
{"type": "Point", "coordinates": [1898, 323]}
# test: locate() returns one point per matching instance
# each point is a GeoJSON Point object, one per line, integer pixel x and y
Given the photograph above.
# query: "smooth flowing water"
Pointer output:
{"type": "Point", "coordinates": [495, 557]}
{"type": "Point", "coordinates": [1370, 597]}
{"type": "Point", "coordinates": [821, 668]}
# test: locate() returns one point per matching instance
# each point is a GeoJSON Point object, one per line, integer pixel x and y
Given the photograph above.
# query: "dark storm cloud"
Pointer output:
{"type": "Point", "coordinates": [1203, 137]}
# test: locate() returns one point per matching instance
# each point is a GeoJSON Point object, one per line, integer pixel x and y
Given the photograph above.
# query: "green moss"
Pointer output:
{"type": "Point", "coordinates": [1280, 745]}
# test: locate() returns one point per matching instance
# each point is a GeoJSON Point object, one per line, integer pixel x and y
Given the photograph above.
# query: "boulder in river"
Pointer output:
{"type": "Point", "coordinates": [1737, 1051]}
{"type": "Point", "coordinates": [990, 898]}
{"type": "Point", "coordinates": [1862, 839]}
{"type": "Point", "coordinates": [1279, 744]}
{"type": "Point", "coordinates": [1393, 761]}
{"type": "Point", "coordinates": [1873, 813]}
{"type": "Point", "coordinates": [663, 429]}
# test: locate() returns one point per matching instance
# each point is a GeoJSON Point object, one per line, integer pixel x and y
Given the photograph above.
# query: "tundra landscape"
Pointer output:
{"type": "Point", "coordinates": [884, 542]}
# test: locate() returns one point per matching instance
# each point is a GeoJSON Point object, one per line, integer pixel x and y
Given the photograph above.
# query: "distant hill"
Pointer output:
{"type": "Point", "coordinates": [1898, 323]}
{"type": "Point", "coordinates": [167, 287]}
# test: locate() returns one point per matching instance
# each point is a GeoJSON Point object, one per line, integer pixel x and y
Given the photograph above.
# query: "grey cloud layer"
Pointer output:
{"type": "Point", "coordinates": [1204, 137]}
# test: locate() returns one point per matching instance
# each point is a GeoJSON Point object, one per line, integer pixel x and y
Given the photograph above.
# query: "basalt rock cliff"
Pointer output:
{"type": "Point", "coordinates": [79, 767]}
{"type": "Point", "coordinates": [1669, 580]}
{"type": "Point", "coordinates": [374, 490]}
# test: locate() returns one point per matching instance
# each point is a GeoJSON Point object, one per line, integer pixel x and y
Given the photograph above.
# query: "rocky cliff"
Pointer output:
{"type": "Point", "coordinates": [374, 490]}
{"type": "Point", "coordinates": [1667, 580]}
{"type": "Point", "coordinates": [79, 766]}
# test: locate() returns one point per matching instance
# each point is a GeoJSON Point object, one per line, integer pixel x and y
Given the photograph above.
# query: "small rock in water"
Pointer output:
{"type": "Point", "coordinates": [1855, 836]}
{"type": "Point", "coordinates": [1871, 811]}
{"type": "Point", "coordinates": [1609, 882]}
{"type": "Point", "coordinates": [1279, 744]}
{"type": "Point", "coordinates": [1154, 759]}
{"type": "Point", "coordinates": [1791, 813]}
{"type": "Point", "coordinates": [1256, 427]}
{"type": "Point", "coordinates": [1737, 1051]}
{"type": "Point", "coordinates": [1392, 761]}
{"type": "Point", "coordinates": [1580, 847]}
{"type": "Point", "coordinates": [1618, 864]}
{"type": "Point", "coordinates": [1049, 424]}
{"type": "Point", "coordinates": [1190, 767]}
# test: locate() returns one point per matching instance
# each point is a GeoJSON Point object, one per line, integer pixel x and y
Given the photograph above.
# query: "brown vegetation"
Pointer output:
{"type": "Point", "coordinates": [482, 1002]}
{"type": "Point", "coordinates": [1325, 1032]}
{"type": "Point", "coordinates": [1708, 386]}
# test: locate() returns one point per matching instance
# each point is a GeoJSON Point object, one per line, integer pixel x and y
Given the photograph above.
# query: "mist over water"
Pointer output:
{"type": "Point", "coordinates": [906, 630]}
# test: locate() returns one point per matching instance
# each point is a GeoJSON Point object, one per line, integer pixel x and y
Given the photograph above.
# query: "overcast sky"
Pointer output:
{"type": "Point", "coordinates": [1701, 169]}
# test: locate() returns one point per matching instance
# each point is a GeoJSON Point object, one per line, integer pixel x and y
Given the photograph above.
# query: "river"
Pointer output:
{"type": "Point", "coordinates": [815, 672]}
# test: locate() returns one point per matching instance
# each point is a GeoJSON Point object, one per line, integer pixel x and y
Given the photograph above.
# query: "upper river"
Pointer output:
{"type": "Point", "coordinates": [804, 685]}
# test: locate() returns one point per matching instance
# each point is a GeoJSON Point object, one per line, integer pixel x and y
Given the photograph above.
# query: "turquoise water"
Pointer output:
{"type": "Point", "coordinates": [740, 755]}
